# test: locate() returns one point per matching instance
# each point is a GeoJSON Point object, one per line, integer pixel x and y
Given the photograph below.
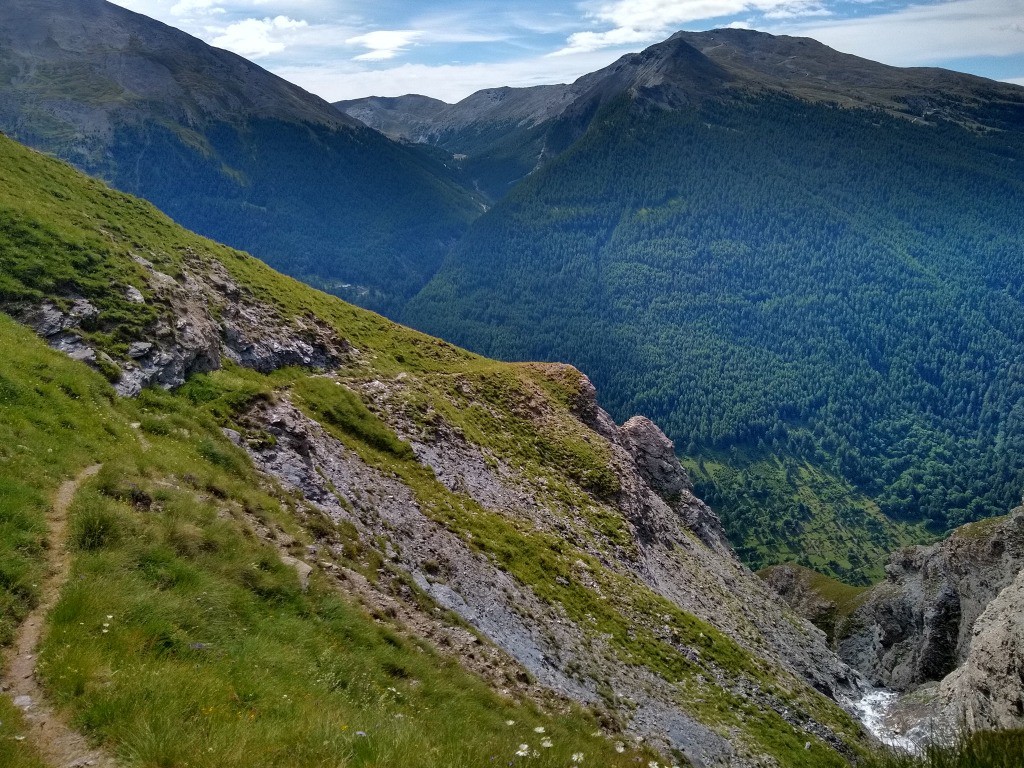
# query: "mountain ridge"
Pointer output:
{"type": "Point", "coordinates": [701, 65]}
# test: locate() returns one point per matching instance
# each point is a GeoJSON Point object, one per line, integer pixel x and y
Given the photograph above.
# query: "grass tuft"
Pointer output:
{"type": "Point", "coordinates": [983, 749]}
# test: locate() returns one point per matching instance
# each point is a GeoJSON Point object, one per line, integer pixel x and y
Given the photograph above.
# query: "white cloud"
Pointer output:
{"type": "Point", "coordinates": [384, 44]}
{"type": "Point", "coordinates": [925, 34]}
{"type": "Point", "coordinates": [798, 11]}
{"type": "Point", "coordinates": [256, 38]}
{"type": "Point", "coordinates": [187, 7]}
{"type": "Point", "coordinates": [646, 21]}
{"type": "Point", "coordinates": [584, 42]}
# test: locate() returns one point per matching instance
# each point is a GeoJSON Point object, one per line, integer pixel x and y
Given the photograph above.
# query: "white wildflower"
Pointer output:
{"type": "Point", "coordinates": [577, 757]}
{"type": "Point", "coordinates": [539, 729]}
{"type": "Point", "coordinates": [620, 747]}
{"type": "Point", "coordinates": [523, 751]}
{"type": "Point", "coordinates": [546, 743]}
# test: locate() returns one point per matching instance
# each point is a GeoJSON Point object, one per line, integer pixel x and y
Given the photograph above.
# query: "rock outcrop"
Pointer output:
{"type": "Point", "coordinates": [655, 458]}
{"type": "Point", "coordinates": [203, 317]}
{"type": "Point", "coordinates": [987, 691]}
{"type": "Point", "coordinates": [918, 624]}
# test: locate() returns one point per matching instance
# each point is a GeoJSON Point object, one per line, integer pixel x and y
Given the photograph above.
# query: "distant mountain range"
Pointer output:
{"type": "Point", "coordinates": [505, 133]}
{"type": "Point", "coordinates": [226, 148]}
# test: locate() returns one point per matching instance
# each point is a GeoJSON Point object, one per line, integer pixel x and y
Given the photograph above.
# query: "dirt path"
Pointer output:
{"type": "Point", "coordinates": [58, 744]}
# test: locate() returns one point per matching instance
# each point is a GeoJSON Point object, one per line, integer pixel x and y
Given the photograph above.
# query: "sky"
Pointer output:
{"type": "Point", "coordinates": [343, 49]}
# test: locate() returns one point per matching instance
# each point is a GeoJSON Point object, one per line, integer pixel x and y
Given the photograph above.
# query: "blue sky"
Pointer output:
{"type": "Point", "coordinates": [449, 48]}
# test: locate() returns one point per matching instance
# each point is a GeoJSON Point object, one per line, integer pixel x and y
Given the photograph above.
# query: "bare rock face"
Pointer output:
{"type": "Point", "coordinates": [655, 457]}
{"type": "Point", "coordinates": [918, 625]}
{"type": "Point", "coordinates": [987, 691]}
{"type": "Point", "coordinates": [664, 555]}
{"type": "Point", "coordinates": [207, 318]}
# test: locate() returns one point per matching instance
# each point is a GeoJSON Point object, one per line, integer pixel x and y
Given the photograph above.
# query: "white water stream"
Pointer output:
{"type": "Point", "coordinates": [875, 711]}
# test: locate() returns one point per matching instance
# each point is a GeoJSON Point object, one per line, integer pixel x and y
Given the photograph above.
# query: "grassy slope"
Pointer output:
{"type": "Point", "coordinates": [819, 520]}
{"type": "Point", "coordinates": [164, 546]}
{"type": "Point", "coordinates": [165, 556]}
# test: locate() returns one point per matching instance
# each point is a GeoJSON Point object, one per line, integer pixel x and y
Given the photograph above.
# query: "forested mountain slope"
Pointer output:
{"type": "Point", "coordinates": [226, 148]}
{"type": "Point", "coordinates": [318, 537]}
{"type": "Point", "coordinates": [821, 304]}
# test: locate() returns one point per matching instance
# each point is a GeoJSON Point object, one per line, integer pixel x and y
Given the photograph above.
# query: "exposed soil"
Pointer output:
{"type": "Point", "coordinates": [58, 744]}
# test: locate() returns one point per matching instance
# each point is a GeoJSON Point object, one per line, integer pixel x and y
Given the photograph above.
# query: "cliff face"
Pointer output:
{"type": "Point", "coordinates": [987, 691]}
{"type": "Point", "coordinates": [918, 625]}
{"type": "Point", "coordinates": [945, 627]}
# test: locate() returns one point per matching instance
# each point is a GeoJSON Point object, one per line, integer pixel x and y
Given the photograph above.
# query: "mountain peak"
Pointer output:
{"type": "Point", "coordinates": [106, 57]}
{"type": "Point", "coordinates": [812, 71]}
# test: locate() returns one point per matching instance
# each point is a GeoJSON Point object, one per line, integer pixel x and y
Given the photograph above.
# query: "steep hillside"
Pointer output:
{"type": "Point", "coordinates": [226, 148]}
{"type": "Point", "coordinates": [349, 528]}
{"type": "Point", "coordinates": [820, 304]}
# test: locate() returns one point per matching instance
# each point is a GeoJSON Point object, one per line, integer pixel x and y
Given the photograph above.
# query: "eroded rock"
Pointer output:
{"type": "Point", "coordinates": [987, 691]}
{"type": "Point", "coordinates": [918, 625]}
{"type": "Point", "coordinates": [207, 318]}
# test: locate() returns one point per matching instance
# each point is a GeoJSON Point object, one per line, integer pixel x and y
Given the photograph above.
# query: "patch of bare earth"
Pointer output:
{"type": "Point", "coordinates": [58, 744]}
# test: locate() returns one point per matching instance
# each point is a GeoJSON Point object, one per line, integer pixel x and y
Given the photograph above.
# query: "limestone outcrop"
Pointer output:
{"type": "Point", "coordinates": [987, 690]}
{"type": "Point", "coordinates": [919, 624]}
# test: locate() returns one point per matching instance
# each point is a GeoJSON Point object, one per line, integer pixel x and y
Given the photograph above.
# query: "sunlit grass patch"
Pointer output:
{"type": "Point", "coordinates": [182, 637]}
